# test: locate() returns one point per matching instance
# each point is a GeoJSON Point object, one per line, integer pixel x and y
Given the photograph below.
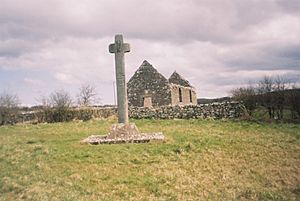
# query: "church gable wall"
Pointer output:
{"type": "Point", "coordinates": [157, 90]}
{"type": "Point", "coordinates": [181, 95]}
{"type": "Point", "coordinates": [145, 83]}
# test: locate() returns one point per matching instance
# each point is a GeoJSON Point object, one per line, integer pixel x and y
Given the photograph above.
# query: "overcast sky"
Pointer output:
{"type": "Point", "coordinates": [217, 45]}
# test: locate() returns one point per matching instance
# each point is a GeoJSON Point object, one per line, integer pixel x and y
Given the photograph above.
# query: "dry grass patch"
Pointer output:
{"type": "Point", "coordinates": [200, 160]}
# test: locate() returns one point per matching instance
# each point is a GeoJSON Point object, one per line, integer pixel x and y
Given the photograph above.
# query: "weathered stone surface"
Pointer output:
{"type": "Point", "coordinates": [215, 111]}
{"type": "Point", "coordinates": [148, 81]}
{"type": "Point", "coordinates": [46, 114]}
{"type": "Point", "coordinates": [123, 133]}
{"type": "Point", "coordinates": [188, 95]}
{"type": "Point", "coordinates": [148, 88]}
{"type": "Point", "coordinates": [175, 78]}
{"type": "Point", "coordinates": [142, 138]}
{"type": "Point", "coordinates": [119, 48]}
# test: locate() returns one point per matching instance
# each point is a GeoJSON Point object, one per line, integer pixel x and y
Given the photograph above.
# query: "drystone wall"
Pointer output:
{"type": "Point", "coordinates": [215, 110]}
{"type": "Point", "coordinates": [50, 115]}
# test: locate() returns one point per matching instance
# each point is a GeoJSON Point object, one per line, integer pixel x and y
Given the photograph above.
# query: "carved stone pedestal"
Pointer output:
{"type": "Point", "coordinates": [123, 133]}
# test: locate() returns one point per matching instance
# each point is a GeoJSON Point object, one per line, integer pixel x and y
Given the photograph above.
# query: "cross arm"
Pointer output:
{"type": "Point", "coordinates": [114, 48]}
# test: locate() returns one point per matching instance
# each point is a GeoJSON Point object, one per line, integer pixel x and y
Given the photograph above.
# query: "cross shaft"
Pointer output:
{"type": "Point", "coordinates": [119, 48]}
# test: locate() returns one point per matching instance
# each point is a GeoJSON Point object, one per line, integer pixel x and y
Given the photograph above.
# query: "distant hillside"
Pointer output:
{"type": "Point", "coordinates": [212, 100]}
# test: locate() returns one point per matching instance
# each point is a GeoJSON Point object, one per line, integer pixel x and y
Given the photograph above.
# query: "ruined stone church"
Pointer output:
{"type": "Point", "coordinates": [148, 88]}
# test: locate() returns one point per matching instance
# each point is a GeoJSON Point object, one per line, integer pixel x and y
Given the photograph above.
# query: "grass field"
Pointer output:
{"type": "Point", "coordinates": [200, 160]}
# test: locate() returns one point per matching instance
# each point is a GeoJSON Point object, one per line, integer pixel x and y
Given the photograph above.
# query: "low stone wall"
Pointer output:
{"type": "Point", "coordinates": [49, 114]}
{"type": "Point", "coordinates": [214, 110]}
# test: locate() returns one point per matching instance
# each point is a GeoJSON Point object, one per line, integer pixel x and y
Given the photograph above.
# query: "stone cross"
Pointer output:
{"type": "Point", "coordinates": [119, 48]}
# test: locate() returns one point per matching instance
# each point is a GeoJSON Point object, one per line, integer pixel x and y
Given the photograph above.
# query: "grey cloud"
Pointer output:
{"type": "Point", "coordinates": [215, 44]}
{"type": "Point", "coordinates": [270, 57]}
{"type": "Point", "coordinates": [291, 52]}
{"type": "Point", "coordinates": [15, 47]}
{"type": "Point", "coordinates": [290, 6]}
{"type": "Point", "coordinates": [175, 21]}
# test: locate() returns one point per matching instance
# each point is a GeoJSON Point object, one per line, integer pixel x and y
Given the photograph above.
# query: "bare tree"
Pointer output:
{"type": "Point", "coordinates": [8, 107]}
{"type": "Point", "coordinates": [294, 101]}
{"type": "Point", "coordinates": [265, 87]}
{"type": "Point", "coordinates": [60, 99]}
{"type": "Point", "coordinates": [266, 84]}
{"type": "Point", "coordinates": [247, 95]}
{"type": "Point", "coordinates": [44, 101]}
{"type": "Point", "coordinates": [281, 84]}
{"type": "Point", "coordinates": [275, 94]}
{"type": "Point", "coordinates": [86, 95]}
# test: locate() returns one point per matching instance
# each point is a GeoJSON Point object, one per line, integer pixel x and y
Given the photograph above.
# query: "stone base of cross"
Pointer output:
{"type": "Point", "coordinates": [123, 133]}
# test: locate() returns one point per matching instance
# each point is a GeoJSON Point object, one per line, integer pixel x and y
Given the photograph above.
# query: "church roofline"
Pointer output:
{"type": "Point", "coordinates": [146, 63]}
{"type": "Point", "coordinates": [182, 86]}
{"type": "Point", "coordinates": [176, 78]}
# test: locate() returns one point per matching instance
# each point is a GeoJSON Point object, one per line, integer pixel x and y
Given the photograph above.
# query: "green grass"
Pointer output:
{"type": "Point", "coordinates": [200, 160]}
{"type": "Point", "coordinates": [262, 114]}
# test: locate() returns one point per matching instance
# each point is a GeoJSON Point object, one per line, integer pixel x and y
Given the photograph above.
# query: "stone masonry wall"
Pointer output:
{"type": "Point", "coordinates": [148, 79]}
{"type": "Point", "coordinates": [185, 91]}
{"type": "Point", "coordinates": [46, 115]}
{"type": "Point", "coordinates": [214, 110]}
